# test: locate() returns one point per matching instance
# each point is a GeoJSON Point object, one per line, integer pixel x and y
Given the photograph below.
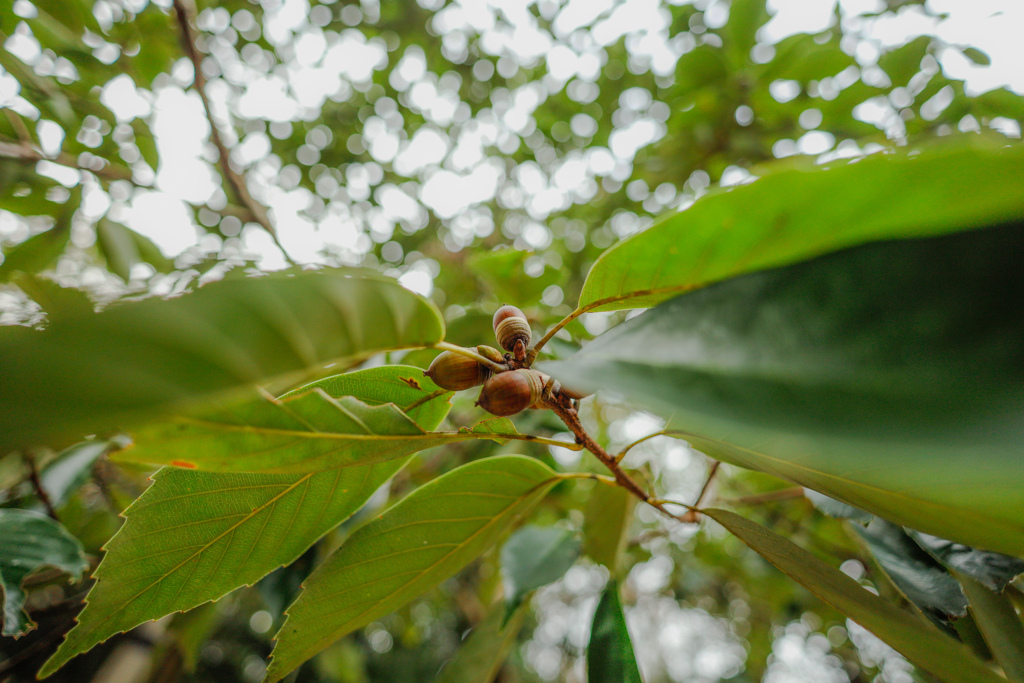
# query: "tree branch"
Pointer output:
{"type": "Point", "coordinates": [33, 476]}
{"type": "Point", "coordinates": [235, 180]}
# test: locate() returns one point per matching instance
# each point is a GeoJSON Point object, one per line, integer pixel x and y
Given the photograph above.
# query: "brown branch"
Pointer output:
{"type": "Point", "coordinates": [235, 180]}
{"type": "Point", "coordinates": [25, 153]}
{"type": "Point", "coordinates": [691, 515]}
{"type": "Point", "coordinates": [561, 405]}
{"type": "Point", "coordinates": [33, 476]}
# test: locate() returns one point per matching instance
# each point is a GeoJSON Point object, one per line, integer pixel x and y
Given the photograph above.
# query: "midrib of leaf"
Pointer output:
{"type": "Point", "coordinates": [203, 548]}
{"type": "Point", "coordinates": [309, 652]}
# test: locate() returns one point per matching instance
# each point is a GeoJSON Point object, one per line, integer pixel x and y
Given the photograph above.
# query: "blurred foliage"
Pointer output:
{"type": "Point", "coordinates": [587, 123]}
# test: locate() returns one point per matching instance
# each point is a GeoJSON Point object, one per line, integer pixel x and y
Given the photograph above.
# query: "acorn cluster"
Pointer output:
{"type": "Point", "coordinates": [505, 392]}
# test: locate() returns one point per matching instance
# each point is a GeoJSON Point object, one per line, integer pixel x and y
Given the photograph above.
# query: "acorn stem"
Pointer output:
{"type": "Point", "coordinates": [496, 367]}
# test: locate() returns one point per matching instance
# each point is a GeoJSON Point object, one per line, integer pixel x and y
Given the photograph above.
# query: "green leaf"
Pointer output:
{"type": "Point", "coordinates": [607, 520]}
{"type": "Point", "coordinates": [484, 650]}
{"type": "Point", "coordinates": [919, 577]}
{"type": "Point", "coordinates": [904, 62]}
{"type": "Point", "coordinates": [420, 541]}
{"type": "Point", "coordinates": [37, 253]}
{"type": "Point", "coordinates": [999, 625]}
{"type": "Point", "coordinates": [534, 556]}
{"type": "Point", "coordinates": [194, 536]}
{"type": "Point", "coordinates": [110, 370]}
{"type": "Point", "coordinates": [71, 469]}
{"type": "Point", "coordinates": [122, 248]}
{"type": "Point", "coordinates": [610, 657]}
{"type": "Point", "coordinates": [992, 570]}
{"type": "Point", "coordinates": [303, 432]}
{"type": "Point", "coordinates": [888, 376]}
{"type": "Point", "coordinates": [977, 56]}
{"type": "Point", "coordinates": [796, 214]}
{"type": "Point", "coordinates": [28, 541]}
{"type": "Point", "coordinates": [918, 641]}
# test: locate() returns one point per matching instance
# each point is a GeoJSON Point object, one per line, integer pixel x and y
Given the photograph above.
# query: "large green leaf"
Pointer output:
{"type": "Point", "coordinates": [194, 536]}
{"type": "Point", "coordinates": [483, 651]}
{"type": "Point", "coordinates": [106, 371]}
{"type": "Point", "coordinates": [917, 640]}
{"type": "Point", "coordinates": [422, 540]}
{"type": "Point", "coordinates": [889, 376]}
{"type": "Point", "coordinates": [305, 432]}
{"type": "Point", "coordinates": [534, 556]}
{"type": "Point", "coordinates": [795, 214]}
{"type": "Point", "coordinates": [607, 521]}
{"type": "Point", "coordinates": [610, 657]}
{"type": "Point", "coordinates": [28, 541]}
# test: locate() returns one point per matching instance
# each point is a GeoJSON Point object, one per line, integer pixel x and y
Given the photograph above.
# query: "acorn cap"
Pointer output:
{"type": "Point", "coordinates": [512, 329]}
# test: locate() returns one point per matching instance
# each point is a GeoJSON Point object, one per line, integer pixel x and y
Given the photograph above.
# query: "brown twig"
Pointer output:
{"type": "Point", "coordinates": [561, 405]}
{"type": "Point", "coordinates": [235, 180]}
{"type": "Point", "coordinates": [33, 476]}
{"type": "Point", "coordinates": [691, 515]}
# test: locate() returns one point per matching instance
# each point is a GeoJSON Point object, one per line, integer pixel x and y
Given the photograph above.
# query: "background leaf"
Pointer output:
{"type": "Point", "coordinates": [109, 370]}
{"type": "Point", "coordinates": [484, 650]}
{"type": "Point", "coordinates": [919, 642]}
{"type": "Point", "coordinates": [607, 521]}
{"type": "Point", "coordinates": [992, 570]}
{"type": "Point", "coordinates": [28, 541]}
{"type": "Point", "coordinates": [534, 556]}
{"type": "Point", "coordinates": [919, 577]}
{"type": "Point", "coordinates": [422, 540]}
{"type": "Point", "coordinates": [610, 657]}
{"type": "Point", "coordinates": [999, 624]}
{"type": "Point", "coordinates": [194, 536]}
{"type": "Point", "coordinates": [888, 376]}
{"type": "Point", "coordinates": [782, 218]}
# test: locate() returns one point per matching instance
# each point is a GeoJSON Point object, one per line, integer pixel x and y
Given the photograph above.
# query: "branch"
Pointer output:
{"type": "Point", "coordinates": [237, 183]}
{"type": "Point", "coordinates": [26, 154]}
{"type": "Point", "coordinates": [33, 475]}
{"type": "Point", "coordinates": [562, 407]}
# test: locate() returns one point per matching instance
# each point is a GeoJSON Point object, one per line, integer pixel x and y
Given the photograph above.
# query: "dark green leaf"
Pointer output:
{"type": "Point", "coordinates": [977, 56]}
{"type": "Point", "coordinates": [112, 369]}
{"type": "Point", "coordinates": [610, 657]}
{"type": "Point", "coordinates": [919, 577]}
{"type": "Point", "coordinates": [792, 215]}
{"type": "Point", "coordinates": [534, 556]}
{"type": "Point", "coordinates": [880, 376]}
{"type": "Point", "coordinates": [834, 508]}
{"type": "Point", "coordinates": [918, 641]}
{"type": "Point", "coordinates": [993, 570]}
{"type": "Point", "coordinates": [422, 540]}
{"type": "Point", "coordinates": [1000, 626]}
{"type": "Point", "coordinates": [194, 536]}
{"type": "Point", "coordinates": [37, 253]}
{"type": "Point", "coordinates": [28, 541]}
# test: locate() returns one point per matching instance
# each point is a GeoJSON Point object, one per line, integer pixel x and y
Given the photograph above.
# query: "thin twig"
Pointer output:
{"type": "Point", "coordinates": [622, 453]}
{"type": "Point", "coordinates": [237, 182]}
{"type": "Point", "coordinates": [692, 515]}
{"type": "Point", "coordinates": [33, 475]}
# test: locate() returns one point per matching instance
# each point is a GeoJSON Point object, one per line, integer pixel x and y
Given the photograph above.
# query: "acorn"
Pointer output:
{"type": "Point", "coordinates": [508, 393]}
{"type": "Point", "coordinates": [490, 353]}
{"type": "Point", "coordinates": [574, 393]}
{"type": "Point", "coordinates": [510, 327]}
{"type": "Point", "coordinates": [455, 372]}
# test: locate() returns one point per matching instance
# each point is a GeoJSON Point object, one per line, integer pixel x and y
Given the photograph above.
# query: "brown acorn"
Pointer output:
{"type": "Point", "coordinates": [508, 393]}
{"type": "Point", "coordinates": [455, 372]}
{"type": "Point", "coordinates": [510, 326]}
{"type": "Point", "coordinates": [574, 393]}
